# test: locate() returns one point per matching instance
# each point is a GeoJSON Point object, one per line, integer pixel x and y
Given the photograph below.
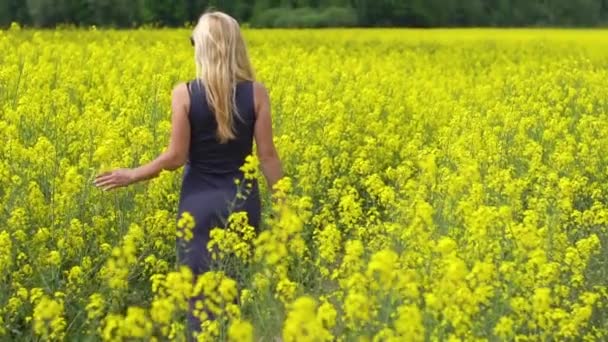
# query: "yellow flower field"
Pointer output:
{"type": "Point", "coordinates": [442, 185]}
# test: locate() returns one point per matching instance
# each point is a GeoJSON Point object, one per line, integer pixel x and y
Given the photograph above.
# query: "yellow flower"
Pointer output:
{"type": "Point", "coordinates": [36, 293]}
{"type": "Point", "coordinates": [210, 331]}
{"type": "Point", "coordinates": [357, 309]}
{"type": "Point", "coordinates": [302, 324]}
{"type": "Point", "coordinates": [6, 259]}
{"type": "Point", "coordinates": [236, 239]}
{"type": "Point", "coordinates": [240, 331]}
{"type": "Point", "coordinates": [136, 323]}
{"type": "Point", "coordinates": [286, 290]}
{"type": "Point", "coordinates": [250, 167]}
{"type": "Point", "coordinates": [327, 314]}
{"type": "Point", "coordinates": [112, 327]}
{"type": "Point", "coordinates": [384, 265]}
{"type": "Point", "coordinates": [49, 321]}
{"type": "Point", "coordinates": [185, 225]}
{"type": "Point", "coordinates": [54, 258]}
{"type": "Point", "coordinates": [408, 324]}
{"type": "Point", "coordinates": [75, 277]}
{"type": "Point", "coordinates": [504, 328]}
{"type": "Point", "coordinates": [162, 310]}
{"type": "Point", "coordinates": [95, 307]}
{"type": "Point", "coordinates": [541, 300]}
{"type": "Point", "coordinates": [446, 245]}
{"type": "Point", "coordinates": [246, 296]}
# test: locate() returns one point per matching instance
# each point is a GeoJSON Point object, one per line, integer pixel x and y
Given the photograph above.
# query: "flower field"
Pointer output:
{"type": "Point", "coordinates": [441, 185]}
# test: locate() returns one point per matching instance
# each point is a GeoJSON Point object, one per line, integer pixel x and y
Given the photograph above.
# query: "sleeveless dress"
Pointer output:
{"type": "Point", "coordinates": [208, 184]}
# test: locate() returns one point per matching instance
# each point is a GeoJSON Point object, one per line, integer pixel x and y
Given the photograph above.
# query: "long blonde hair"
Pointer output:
{"type": "Point", "coordinates": [221, 62]}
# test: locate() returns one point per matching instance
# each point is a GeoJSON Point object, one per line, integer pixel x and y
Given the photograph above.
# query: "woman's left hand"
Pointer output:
{"type": "Point", "coordinates": [114, 179]}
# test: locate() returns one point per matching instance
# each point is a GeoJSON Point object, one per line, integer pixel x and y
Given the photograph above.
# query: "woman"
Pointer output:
{"type": "Point", "coordinates": [214, 121]}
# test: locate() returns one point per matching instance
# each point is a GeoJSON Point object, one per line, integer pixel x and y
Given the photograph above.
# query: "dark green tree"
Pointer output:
{"type": "Point", "coordinates": [310, 13]}
{"type": "Point", "coordinates": [13, 10]}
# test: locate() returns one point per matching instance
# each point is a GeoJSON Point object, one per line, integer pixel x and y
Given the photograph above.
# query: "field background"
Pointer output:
{"type": "Point", "coordinates": [443, 184]}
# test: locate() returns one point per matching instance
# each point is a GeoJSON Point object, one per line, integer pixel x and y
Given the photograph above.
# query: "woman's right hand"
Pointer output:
{"type": "Point", "coordinates": [114, 179]}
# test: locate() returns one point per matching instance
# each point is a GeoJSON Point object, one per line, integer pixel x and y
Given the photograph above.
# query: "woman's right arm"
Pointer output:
{"type": "Point", "coordinates": [267, 153]}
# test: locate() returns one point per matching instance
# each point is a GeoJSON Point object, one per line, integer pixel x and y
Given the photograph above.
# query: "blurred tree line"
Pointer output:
{"type": "Point", "coordinates": [309, 13]}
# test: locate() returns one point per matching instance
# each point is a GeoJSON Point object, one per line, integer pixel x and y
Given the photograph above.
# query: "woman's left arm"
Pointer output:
{"type": "Point", "coordinates": [173, 158]}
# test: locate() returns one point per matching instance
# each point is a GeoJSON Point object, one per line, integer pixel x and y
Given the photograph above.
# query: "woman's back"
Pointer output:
{"type": "Point", "coordinates": [209, 192]}
{"type": "Point", "coordinates": [207, 154]}
{"type": "Point", "coordinates": [213, 142]}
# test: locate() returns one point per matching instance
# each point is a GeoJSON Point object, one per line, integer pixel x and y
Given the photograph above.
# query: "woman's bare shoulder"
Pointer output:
{"type": "Point", "coordinates": [180, 90]}
{"type": "Point", "coordinates": [260, 94]}
{"type": "Point", "coordinates": [259, 88]}
{"type": "Point", "coordinates": [180, 95]}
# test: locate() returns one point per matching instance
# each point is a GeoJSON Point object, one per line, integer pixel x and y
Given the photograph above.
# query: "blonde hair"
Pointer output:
{"type": "Point", "coordinates": [221, 62]}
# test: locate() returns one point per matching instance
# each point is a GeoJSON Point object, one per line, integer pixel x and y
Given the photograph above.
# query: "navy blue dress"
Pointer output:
{"type": "Point", "coordinates": [208, 185]}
